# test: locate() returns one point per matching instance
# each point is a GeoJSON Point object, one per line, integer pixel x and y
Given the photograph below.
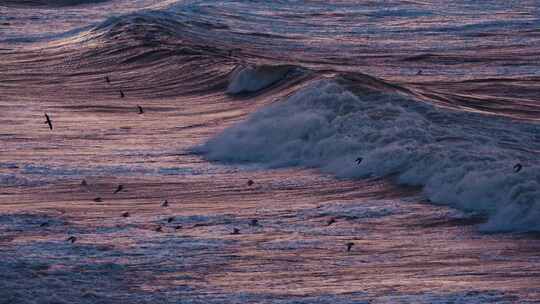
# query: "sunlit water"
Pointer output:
{"type": "Point", "coordinates": [438, 98]}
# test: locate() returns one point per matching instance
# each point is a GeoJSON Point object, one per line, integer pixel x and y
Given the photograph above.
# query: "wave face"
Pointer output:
{"type": "Point", "coordinates": [459, 158]}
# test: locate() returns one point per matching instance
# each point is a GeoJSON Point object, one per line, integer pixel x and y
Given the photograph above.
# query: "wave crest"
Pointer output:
{"type": "Point", "coordinates": [255, 78]}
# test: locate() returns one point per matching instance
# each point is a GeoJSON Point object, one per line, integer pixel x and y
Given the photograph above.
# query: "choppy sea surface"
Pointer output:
{"type": "Point", "coordinates": [278, 132]}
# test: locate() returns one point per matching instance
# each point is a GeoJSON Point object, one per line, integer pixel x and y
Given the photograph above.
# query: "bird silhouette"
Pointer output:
{"type": "Point", "coordinates": [107, 79]}
{"type": "Point", "coordinates": [331, 221]}
{"type": "Point", "coordinates": [517, 168]}
{"type": "Point", "coordinates": [98, 200]}
{"type": "Point", "coordinates": [359, 160]}
{"type": "Point", "coordinates": [84, 183]}
{"type": "Point", "coordinates": [125, 214]}
{"type": "Point", "coordinates": [141, 111]}
{"type": "Point", "coordinates": [349, 246]}
{"type": "Point", "coordinates": [419, 72]}
{"type": "Point", "coordinates": [165, 204]}
{"type": "Point", "coordinates": [48, 121]}
{"type": "Point", "coordinates": [236, 231]}
{"type": "Point", "coordinates": [72, 239]}
{"type": "Point", "coordinates": [122, 94]}
{"type": "Point", "coordinates": [254, 222]}
{"type": "Point", "coordinates": [120, 188]}
{"type": "Point", "coordinates": [169, 220]}
{"type": "Point", "coordinates": [44, 224]}
{"type": "Point", "coordinates": [159, 229]}
{"type": "Point", "coordinates": [250, 182]}
{"type": "Point", "coordinates": [178, 227]}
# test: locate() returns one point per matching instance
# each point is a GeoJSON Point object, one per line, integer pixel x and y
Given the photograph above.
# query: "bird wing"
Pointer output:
{"type": "Point", "coordinates": [49, 122]}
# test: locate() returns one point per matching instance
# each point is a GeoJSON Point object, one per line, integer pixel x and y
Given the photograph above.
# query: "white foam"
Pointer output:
{"type": "Point", "coordinates": [458, 157]}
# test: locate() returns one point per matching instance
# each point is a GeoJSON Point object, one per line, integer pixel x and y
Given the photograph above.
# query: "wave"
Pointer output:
{"type": "Point", "coordinates": [463, 159]}
{"type": "Point", "coordinates": [435, 139]}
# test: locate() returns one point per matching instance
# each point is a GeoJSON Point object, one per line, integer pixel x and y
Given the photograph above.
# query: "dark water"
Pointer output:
{"type": "Point", "coordinates": [439, 99]}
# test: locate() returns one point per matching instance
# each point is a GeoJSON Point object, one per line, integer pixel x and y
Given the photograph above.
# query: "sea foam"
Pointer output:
{"type": "Point", "coordinates": [462, 159]}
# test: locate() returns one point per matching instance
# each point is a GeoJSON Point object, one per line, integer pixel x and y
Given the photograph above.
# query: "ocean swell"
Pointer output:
{"type": "Point", "coordinates": [463, 159]}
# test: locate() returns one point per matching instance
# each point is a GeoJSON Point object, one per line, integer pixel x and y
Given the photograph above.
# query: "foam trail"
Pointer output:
{"type": "Point", "coordinates": [460, 158]}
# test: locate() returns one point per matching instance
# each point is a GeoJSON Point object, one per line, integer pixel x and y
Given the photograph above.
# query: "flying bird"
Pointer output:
{"type": "Point", "coordinates": [107, 79]}
{"type": "Point", "coordinates": [359, 160]}
{"type": "Point", "coordinates": [122, 94]}
{"type": "Point", "coordinates": [141, 111]}
{"type": "Point", "coordinates": [331, 221]}
{"type": "Point", "coordinates": [517, 168]}
{"type": "Point", "coordinates": [72, 239]}
{"type": "Point", "coordinates": [98, 200]}
{"type": "Point", "coordinates": [349, 246]}
{"type": "Point", "coordinates": [159, 229]}
{"type": "Point", "coordinates": [169, 220]}
{"type": "Point", "coordinates": [44, 224]}
{"type": "Point", "coordinates": [120, 188]}
{"type": "Point", "coordinates": [84, 183]}
{"type": "Point", "coordinates": [178, 227]}
{"type": "Point", "coordinates": [165, 204]}
{"type": "Point", "coordinates": [48, 121]}
{"type": "Point", "coordinates": [254, 222]}
{"type": "Point", "coordinates": [236, 231]}
{"type": "Point", "coordinates": [125, 214]}
{"type": "Point", "coordinates": [250, 183]}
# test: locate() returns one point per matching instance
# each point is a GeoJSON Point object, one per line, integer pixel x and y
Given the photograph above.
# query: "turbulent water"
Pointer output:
{"type": "Point", "coordinates": [409, 128]}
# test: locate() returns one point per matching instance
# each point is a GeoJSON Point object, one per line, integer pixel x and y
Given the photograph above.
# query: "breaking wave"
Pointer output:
{"type": "Point", "coordinates": [463, 159]}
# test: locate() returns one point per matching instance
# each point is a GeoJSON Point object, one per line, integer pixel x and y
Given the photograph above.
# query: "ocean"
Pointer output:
{"type": "Point", "coordinates": [308, 151]}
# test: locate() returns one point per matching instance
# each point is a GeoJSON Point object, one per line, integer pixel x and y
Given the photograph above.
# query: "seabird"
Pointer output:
{"type": "Point", "coordinates": [165, 204]}
{"type": "Point", "coordinates": [349, 246]}
{"type": "Point", "coordinates": [254, 222]}
{"type": "Point", "coordinates": [236, 231]}
{"type": "Point", "coordinates": [359, 160]}
{"type": "Point", "coordinates": [48, 121]}
{"type": "Point", "coordinates": [120, 188]}
{"type": "Point", "coordinates": [122, 94]}
{"type": "Point", "coordinates": [125, 214]}
{"type": "Point", "coordinates": [140, 109]}
{"type": "Point", "coordinates": [72, 239]}
{"type": "Point", "coordinates": [84, 183]}
{"type": "Point", "coordinates": [250, 182]}
{"type": "Point", "coordinates": [169, 220]}
{"type": "Point", "coordinates": [98, 200]}
{"type": "Point", "coordinates": [331, 221]}
{"type": "Point", "coordinates": [107, 79]}
{"type": "Point", "coordinates": [517, 168]}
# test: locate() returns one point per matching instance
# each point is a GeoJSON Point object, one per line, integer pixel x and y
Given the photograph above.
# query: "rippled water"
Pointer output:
{"type": "Point", "coordinates": [438, 99]}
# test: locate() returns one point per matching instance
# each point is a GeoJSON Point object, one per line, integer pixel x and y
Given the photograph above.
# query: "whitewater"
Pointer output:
{"type": "Point", "coordinates": [438, 101]}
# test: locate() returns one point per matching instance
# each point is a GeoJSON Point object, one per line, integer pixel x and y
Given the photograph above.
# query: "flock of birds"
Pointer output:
{"type": "Point", "coordinates": [236, 231]}
{"type": "Point", "coordinates": [164, 204]}
{"type": "Point", "coordinates": [48, 120]}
